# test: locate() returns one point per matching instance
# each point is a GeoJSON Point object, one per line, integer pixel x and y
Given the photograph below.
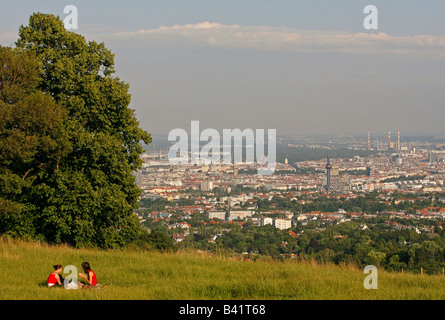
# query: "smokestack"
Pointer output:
{"type": "Point", "coordinates": [369, 140]}
{"type": "Point", "coordinates": [389, 139]}
{"type": "Point", "coordinates": [398, 140]}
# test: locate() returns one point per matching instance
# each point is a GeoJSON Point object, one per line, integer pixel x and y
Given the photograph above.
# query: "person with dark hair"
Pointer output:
{"type": "Point", "coordinates": [90, 276]}
{"type": "Point", "coordinates": [55, 279]}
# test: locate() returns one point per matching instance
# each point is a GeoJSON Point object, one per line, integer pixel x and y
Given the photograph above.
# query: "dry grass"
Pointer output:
{"type": "Point", "coordinates": [137, 275]}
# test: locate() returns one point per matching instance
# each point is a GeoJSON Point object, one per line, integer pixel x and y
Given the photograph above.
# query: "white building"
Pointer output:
{"type": "Point", "coordinates": [282, 224]}
{"type": "Point", "coordinates": [240, 214]}
{"type": "Point", "coordinates": [206, 185]}
{"type": "Point", "coordinates": [216, 215]}
{"type": "Point", "coordinates": [266, 220]}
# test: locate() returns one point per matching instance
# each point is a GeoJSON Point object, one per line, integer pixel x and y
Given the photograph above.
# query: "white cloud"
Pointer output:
{"type": "Point", "coordinates": [281, 38]}
{"type": "Point", "coordinates": [213, 34]}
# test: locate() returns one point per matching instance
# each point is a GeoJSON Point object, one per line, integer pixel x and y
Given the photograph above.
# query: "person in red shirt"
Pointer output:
{"type": "Point", "coordinates": [90, 276]}
{"type": "Point", "coordinates": [54, 278]}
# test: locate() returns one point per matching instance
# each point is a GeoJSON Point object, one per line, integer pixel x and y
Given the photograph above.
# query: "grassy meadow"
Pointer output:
{"type": "Point", "coordinates": [142, 275]}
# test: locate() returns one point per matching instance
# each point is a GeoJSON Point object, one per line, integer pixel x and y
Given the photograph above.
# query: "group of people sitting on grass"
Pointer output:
{"type": "Point", "coordinates": [55, 279]}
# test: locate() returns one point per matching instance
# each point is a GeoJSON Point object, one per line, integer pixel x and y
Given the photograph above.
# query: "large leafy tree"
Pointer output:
{"type": "Point", "coordinates": [90, 197]}
{"type": "Point", "coordinates": [33, 140]}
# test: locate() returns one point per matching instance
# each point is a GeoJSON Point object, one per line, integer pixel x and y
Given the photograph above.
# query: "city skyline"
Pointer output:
{"type": "Point", "coordinates": [299, 68]}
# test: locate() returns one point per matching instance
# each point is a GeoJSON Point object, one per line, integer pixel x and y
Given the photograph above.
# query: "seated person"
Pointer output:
{"type": "Point", "coordinates": [54, 278]}
{"type": "Point", "coordinates": [90, 276]}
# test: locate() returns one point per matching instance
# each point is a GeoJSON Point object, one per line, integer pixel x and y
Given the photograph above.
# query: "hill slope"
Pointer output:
{"type": "Point", "coordinates": [136, 275]}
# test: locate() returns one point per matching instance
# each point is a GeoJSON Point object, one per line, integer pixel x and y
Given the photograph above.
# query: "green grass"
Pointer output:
{"type": "Point", "coordinates": [137, 275]}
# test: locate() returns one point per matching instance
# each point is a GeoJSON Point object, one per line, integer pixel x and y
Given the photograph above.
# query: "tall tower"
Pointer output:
{"type": "Point", "coordinates": [369, 140]}
{"type": "Point", "coordinates": [328, 172]}
{"type": "Point", "coordinates": [398, 140]}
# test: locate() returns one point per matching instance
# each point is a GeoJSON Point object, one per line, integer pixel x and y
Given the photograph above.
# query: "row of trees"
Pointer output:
{"type": "Point", "coordinates": [368, 203]}
{"type": "Point", "coordinates": [391, 250]}
{"type": "Point", "coordinates": [68, 140]}
{"type": "Point", "coordinates": [299, 154]}
{"type": "Point", "coordinates": [379, 244]}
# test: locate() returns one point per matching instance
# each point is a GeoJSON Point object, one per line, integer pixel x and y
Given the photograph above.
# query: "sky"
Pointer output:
{"type": "Point", "coordinates": [300, 67]}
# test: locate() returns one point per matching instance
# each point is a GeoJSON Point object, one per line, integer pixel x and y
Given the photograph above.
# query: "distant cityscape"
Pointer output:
{"type": "Point", "coordinates": [230, 193]}
{"type": "Point", "coordinates": [379, 170]}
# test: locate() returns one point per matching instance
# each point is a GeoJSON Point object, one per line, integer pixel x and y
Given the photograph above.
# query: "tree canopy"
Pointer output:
{"type": "Point", "coordinates": [69, 142]}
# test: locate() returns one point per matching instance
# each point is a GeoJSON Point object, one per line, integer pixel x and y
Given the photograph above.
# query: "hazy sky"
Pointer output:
{"type": "Point", "coordinates": [299, 67]}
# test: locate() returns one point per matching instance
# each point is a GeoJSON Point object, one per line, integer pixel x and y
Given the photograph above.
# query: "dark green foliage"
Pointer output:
{"type": "Point", "coordinates": [155, 240]}
{"type": "Point", "coordinates": [69, 141]}
{"type": "Point", "coordinates": [380, 244]}
{"type": "Point", "coordinates": [33, 140]}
